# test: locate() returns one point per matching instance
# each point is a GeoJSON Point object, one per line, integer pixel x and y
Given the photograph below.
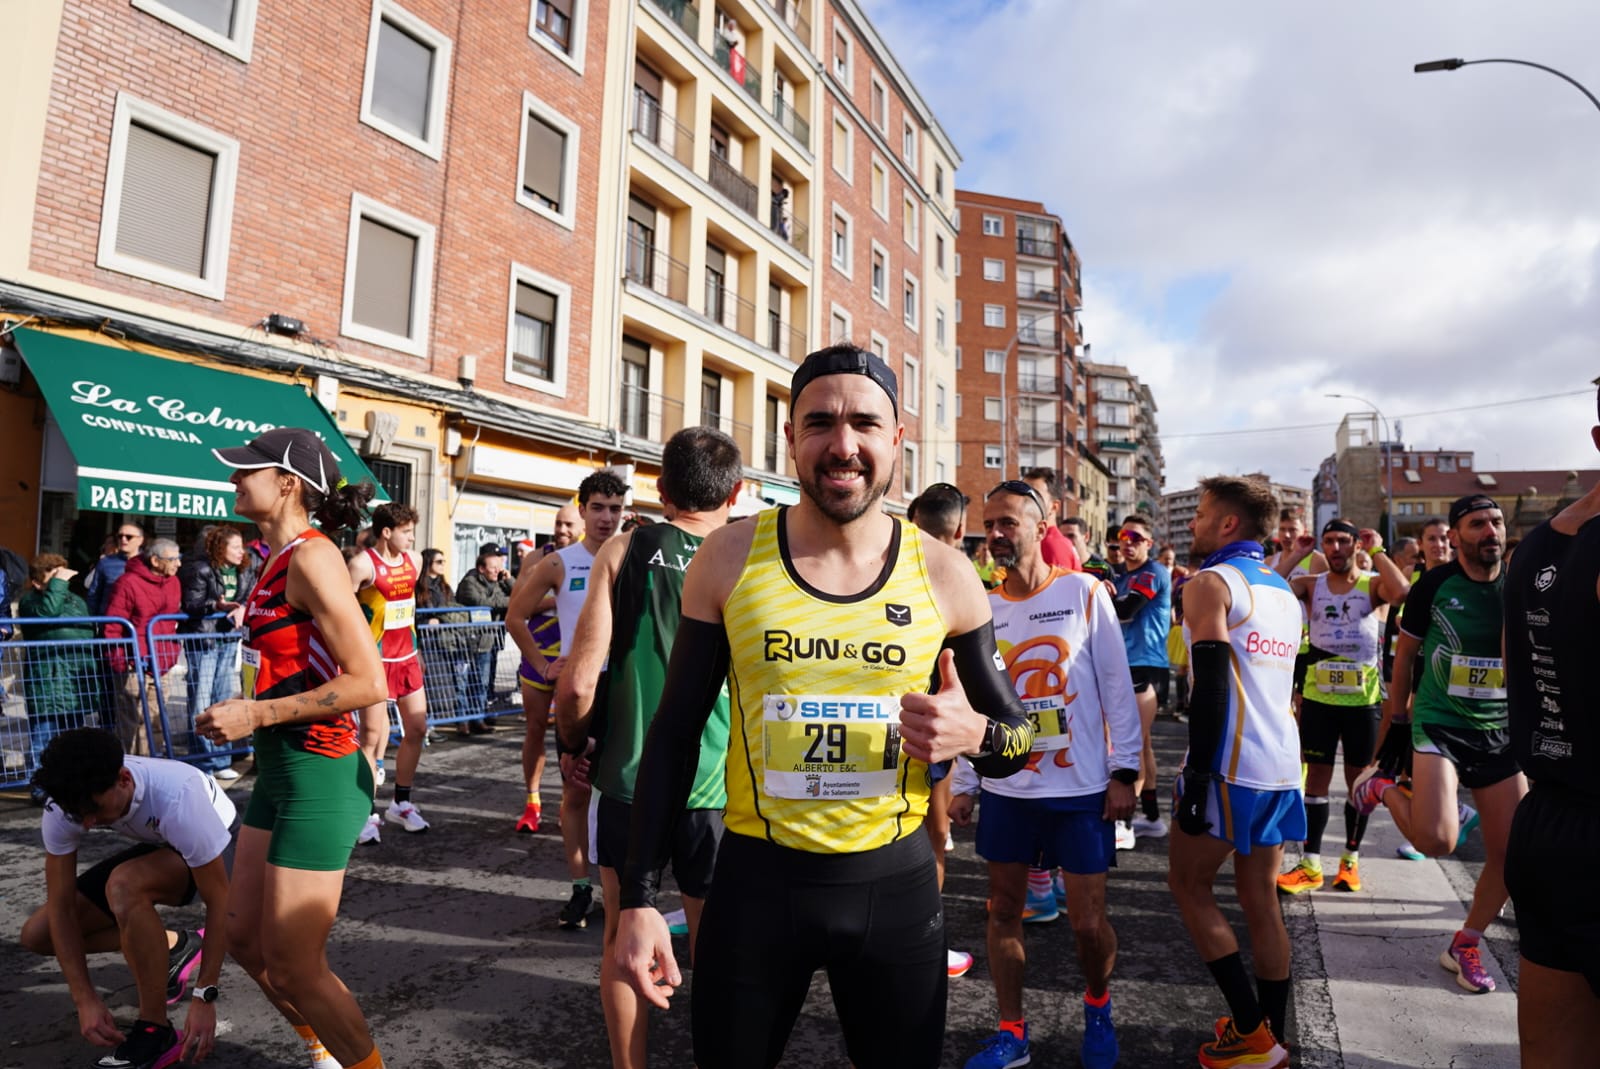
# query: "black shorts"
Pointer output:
{"type": "Point", "coordinates": [1302, 662]}
{"type": "Point", "coordinates": [1558, 916]}
{"type": "Point", "coordinates": [92, 881]}
{"type": "Point", "coordinates": [775, 916]}
{"type": "Point", "coordinates": [1325, 728]}
{"type": "Point", "coordinates": [1146, 676]}
{"type": "Point", "coordinates": [694, 843]}
{"type": "Point", "coordinates": [1482, 758]}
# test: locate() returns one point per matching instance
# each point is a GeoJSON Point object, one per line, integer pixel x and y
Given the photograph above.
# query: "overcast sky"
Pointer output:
{"type": "Point", "coordinates": [1270, 206]}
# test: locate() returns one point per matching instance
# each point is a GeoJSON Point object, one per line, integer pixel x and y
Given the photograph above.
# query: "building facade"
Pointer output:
{"type": "Point", "coordinates": [1123, 431]}
{"type": "Point", "coordinates": [1178, 508]}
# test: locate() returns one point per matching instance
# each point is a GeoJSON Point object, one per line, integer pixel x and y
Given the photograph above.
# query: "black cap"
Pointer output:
{"type": "Point", "coordinates": [294, 449]}
{"type": "Point", "coordinates": [491, 549]}
{"type": "Point", "coordinates": [1471, 503]}
{"type": "Point", "coordinates": [845, 360]}
{"type": "Point", "coordinates": [1341, 525]}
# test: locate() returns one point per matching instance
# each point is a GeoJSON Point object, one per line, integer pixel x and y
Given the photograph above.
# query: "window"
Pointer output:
{"type": "Point", "coordinates": [958, 264]}
{"type": "Point", "coordinates": [938, 179]}
{"type": "Point", "coordinates": [880, 188]}
{"type": "Point", "coordinates": [1447, 464]}
{"type": "Point", "coordinates": [635, 414]}
{"type": "Point", "coordinates": [227, 25]}
{"type": "Point", "coordinates": [938, 473]}
{"type": "Point", "coordinates": [991, 409]}
{"type": "Point", "coordinates": [880, 104]}
{"type": "Point", "coordinates": [994, 361]}
{"type": "Point", "coordinates": [557, 26]}
{"type": "Point", "coordinates": [908, 143]}
{"type": "Point", "coordinates": [168, 207]}
{"type": "Point", "coordinates": [880, 345]}
{"type": "Point", "coordinates": [911, 384]}
{"type": "Point", "coordinates": [880, 275]}
{"type": "Point", "coordinates": [939, 403]}
{"type": "Point", "coordinates": [841, 147]}
{"type": "Point", "coordinates": [710, 399]}
{"type": "Point", "coordinates": [994, 315]}
{"type": "Point", "coordinates": [991, 456]}
{"type": "Point", "coordinates": [958, 319]}
{"type": "Point", "coordinates": [408, 71]}
{"type": "Point", "coordinates": [536, 348]}
{"type": "Point", "coordinates": [909, 303]}
{"type": "Point", "coordinates": [958, 406]}
{"type": "Point", "coordinates": [908, 470]}
{"type": "Point", "coordinates": [388, 279]}
{"type": "Point", "coordinates": [640, 264]}
{"type": "Point", "coordinates": [549, 180]}
{"type": "Point", "coordinates": [717, 303]}
{"type": "Point", "coordinates": [841, 56]}
{"type": "Point", "coordinates": [994, 270]}
{"type": "Point", "coordinates": [938, 327]}
{"type": "Point", "coordinates": [908, 220]}
{"type": "Point", "coordinates": [958, 368]}
{"type": "Point", "coordinates": [841, 241]}
{"type": "Point", "coordinates": [994, 226]}
{"type": "Point", "coordinates": [839, 320]}
{"type": "Point", "coordinates": [938, 252]}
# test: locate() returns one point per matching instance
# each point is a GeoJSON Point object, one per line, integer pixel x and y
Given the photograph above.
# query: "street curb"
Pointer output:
{"type": "Point", "coordinates": [1316, 1030]}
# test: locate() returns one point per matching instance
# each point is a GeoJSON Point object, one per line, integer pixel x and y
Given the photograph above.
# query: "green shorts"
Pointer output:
{"type": "Point", "coordinates": [313, 805]}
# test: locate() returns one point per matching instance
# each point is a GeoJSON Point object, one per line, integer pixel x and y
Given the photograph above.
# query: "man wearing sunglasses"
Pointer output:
{"type": "Point", "coordinates": [108, 569]}
{"type": "Point", "coordinates": [1144, 605]}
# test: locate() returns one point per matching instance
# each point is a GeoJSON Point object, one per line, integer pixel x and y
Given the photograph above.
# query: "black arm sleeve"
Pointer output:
{"type": "Point", "coordinates": [1129, 604]}
{"type": "Point", "coordinates": [1210, 661]}
{"type": "Point", "coordinates": [989, 691]}
{"type": "Point", "coordinates": [695, 675]}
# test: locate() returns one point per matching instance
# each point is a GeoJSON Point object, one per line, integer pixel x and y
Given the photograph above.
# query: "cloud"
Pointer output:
{"type": "Point", "coordinates": [1271, 206]}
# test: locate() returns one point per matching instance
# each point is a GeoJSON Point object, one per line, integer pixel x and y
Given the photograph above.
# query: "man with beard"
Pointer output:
{"type": "Point", "coordinates": [826, 620]}
{"type": "Point", "coordinates": [1459, 730]}
{"type": "Point", "coordinates": [1144, 605]}
{"type": "Point", "coordinates": [1291, 528]}
{"type": "Point", "coordinates": [1340, 699]}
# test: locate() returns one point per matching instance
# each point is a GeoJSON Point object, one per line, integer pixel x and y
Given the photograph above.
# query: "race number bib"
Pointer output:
{"type": "Point", "coordinates": [1479, 678]}
{"type": "Point", "coordinates": [1340, 677]}
{"type": "Point", "coordinates": [830, 746]}
{"type": "Point", "coordinates": [249, 666]}
{"type": "Point", "coordinates": [1049, 719]}
{"type": "Point", "coordinates": [400, 615]}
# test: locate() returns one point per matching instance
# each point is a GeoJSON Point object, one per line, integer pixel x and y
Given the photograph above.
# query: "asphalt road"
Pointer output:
{"type": "Point", "coordinates": [449, 941]}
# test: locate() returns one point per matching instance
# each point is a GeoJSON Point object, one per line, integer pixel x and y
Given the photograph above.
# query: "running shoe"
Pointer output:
{"type": "Point", "coordinates": [148, 1046]}
{"type": "Point", "coordinates": [1366, 794]}
{"type": "Point", "coordinates": [1058, 885]}
{"type": "Point", "coordinates": [1466, 962]}
{"type": "Point", "coordinates": [370, 831]}
{"type": "Point", "coordinates": [957, 962]}
{"type": "Point", "coordinates": [1124, 836]}
{"type": "Point", "coordinates": [1040, 909]}
{"type": "Point", "coordinates": [529, 821]}
{"type": "Point", "coordinates": [677, 922]}
{"type": "Point", "coordinates": [406, 815]}
{"type": "Point", "coordinates": [1146, 828]}
{"type": "Point", "coordinates": [1099, 1050]}
{"type": "Point", "coordinates": [182, 960]}
{"type": "Point", "coordinates": [378, 775]}
{"type": "Point", "coordinates": [1406, 852]}
{"type": "Point", "coordinates": [1302, 878]}
{"type": "Point", "coordinates": [1258, 1050]}
{"type": "Point", "coordinates": [1349, 877]}
{"type": "Point", "coordinates": [575, 914]}
{"type": "Point", "coordinates": [1468, 819]}
{"type": "Point", "coordinates": [1002, 1051]}
{"type": "Point", "coordinates": [226, 773]}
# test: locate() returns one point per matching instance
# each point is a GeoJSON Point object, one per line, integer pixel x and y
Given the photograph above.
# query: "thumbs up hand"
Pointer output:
{"type": "Point", "coordinates": [936, 727]}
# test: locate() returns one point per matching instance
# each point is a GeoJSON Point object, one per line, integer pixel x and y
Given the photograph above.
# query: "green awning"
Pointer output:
{"type": "Point", "coordinates": [142, 428]}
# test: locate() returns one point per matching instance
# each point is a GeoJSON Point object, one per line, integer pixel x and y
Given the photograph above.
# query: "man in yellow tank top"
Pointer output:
{"type": "Point", "coordinates": [827, 620]}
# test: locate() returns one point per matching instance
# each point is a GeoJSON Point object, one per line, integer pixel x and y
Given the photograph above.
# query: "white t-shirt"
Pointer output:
{"type": "Point", "coordinates": [576, 563]}
{"type": "Point", "coordinates": [173, 803]}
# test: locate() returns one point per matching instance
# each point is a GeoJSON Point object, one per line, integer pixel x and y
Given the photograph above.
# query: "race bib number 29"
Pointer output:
{"type": "Point", "coordinates": [830, 746]}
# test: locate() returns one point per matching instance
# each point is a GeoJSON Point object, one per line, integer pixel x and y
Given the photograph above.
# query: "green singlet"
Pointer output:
{"type": "Point", "coordinates": [1458, 622]}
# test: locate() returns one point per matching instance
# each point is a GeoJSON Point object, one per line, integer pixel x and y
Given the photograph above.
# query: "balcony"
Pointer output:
{"type": "Point", "coordinates": [684, 14]}
{"type": "Point", "coordinates": [728, 309]}
{"type": "Point", "coordinates": [775, 445]}
{"type": "Point", "coordinates": [791, 230]}
{"type": "Point", "coordinates": [739, 67]}
{"type": "Point", "coordinates": [1038, 430]}
{"type": "Point", "coordinates": [788, 12]}
{"type": "Point", "coordinates": [1027, 291]}
{"type": "Point", "coordinates": [1031, 246]}
{"type": "Point", "coordinates": [1027, 383]}
{"type": "Point", "coordinates": [642, 409]}
{"type": "Point", "coordinates": [1037, 338]}
{"type": "Point", "coordinates": [790, 119]}
{"type": "Point", "coordinates": [725, 179]}
{"type": "Point", "coordinates": [787, 341]}
{"type": "Point", "coordinates": [653, 269]}
{"type": "Point", "coordinates": [661, 129]}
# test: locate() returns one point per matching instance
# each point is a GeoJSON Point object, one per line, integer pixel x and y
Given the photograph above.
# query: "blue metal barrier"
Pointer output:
{"type": "Point", "coordinates": [205, 671]}
{"type": "Point", "coordinates": [469, 671]}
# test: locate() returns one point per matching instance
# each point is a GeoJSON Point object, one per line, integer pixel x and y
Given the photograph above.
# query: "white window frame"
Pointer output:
{"type": "Point", "coordinates": [998, 319]}
{"type": "Point", "coordinates": [958, 404]}
{"type": "Point", "coordinates": [914, 320]}
{"type": "Point", "coordinates": [244, 22]}
{"type": "Point", "coordinates": [880, 345]}
{"type": "Point", "coordinates": [999, 223]}
{"type": "Point", "coordinates": [992, 457]}
{"type": "Point", "coordinates": [994, 361]}
{"type": "Point", "coordinates": [941, 251]}
{"type": "Point", "coordinates": [912, 221]}
{"type": "Point", "coordinates": [958, 265]}
{"type": "Point", "coordinates": [992, 410]}
{"type": "Point", "coordinates": [883, 297]}
{"type": "Point", "coordinates": [562, 292]}
{"type": "Point", "coordinates": [579, 34]}
{"type": "Point", "coordinates": [842, 66]}
{"type": "Point", "coordinates": [941, 404]}
{"type": "Point", "coordinates": [911, 388]}
{"type": "Point", "coordinates": [939, 473]}
{"type": "Point", "coordinates": [836, 311]}
{"type": "Point", "coordinates": [880, 167]}
{"type": "Point", "coordinates": [438, 91]}
{"type": "Point", "coordinates": [910, 469]}
{"type": "Point", "coordinates": [567, 217]}
{"type": "Point", "coordinates": [877, 83]}
{"type": "Point", "coordinates": [422, 279]}
{"type": "Point", "coordinates": [846, 269]}
{"type": "Point", "coordinates": [908, 142]}
{"type": "Point", "coordinates": [224, 177]}
{"type": "Point", "coordinates": [1000, 275]}
{"type": "Point", "coordinates": [847, 172]}
{"type": "Point", "coordinates": [941, 328]}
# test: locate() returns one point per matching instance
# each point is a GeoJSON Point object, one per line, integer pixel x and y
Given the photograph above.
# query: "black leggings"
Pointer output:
{"type": "Point", "coordinates": [775, 915]}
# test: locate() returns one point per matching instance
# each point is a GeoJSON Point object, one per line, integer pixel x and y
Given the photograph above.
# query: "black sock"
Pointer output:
{"type": "Point", "coordinates": [1147, 802]}
{"type": "Point", "coordinates": [1274, 996]}
{"type": "Point", "coordinates": [401, 794]}
{"type": "Point", "coordinates": [1316, 824]}
{"type": "Point", "coordinates": [1355, 828]}
{"type": "Point", "coordinates": [1230, 976]}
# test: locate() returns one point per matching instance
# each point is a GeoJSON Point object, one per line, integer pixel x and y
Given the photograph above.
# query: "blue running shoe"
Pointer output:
{"type": "Point", "coordinates": [1041, 909]}
{"type": "Point", "coordinates": [1058, 884]}
{"type": "Point", "coordinates": [1003, 1051]}
{"type": "Point", "coordinates": [1099, 1037]}
{"type": "Point", "coordinates": [1469, 823]}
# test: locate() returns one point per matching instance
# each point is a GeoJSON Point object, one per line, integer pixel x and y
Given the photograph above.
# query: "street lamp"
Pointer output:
{"type": "Point", "coordinates": [1453, 64]}
{"type": "Point", "coordinates": [1388, 464]}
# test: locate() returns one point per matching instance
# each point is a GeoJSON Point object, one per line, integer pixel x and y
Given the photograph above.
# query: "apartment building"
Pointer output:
{"type": "Point", "coordinates": [1178, 508]}
{"type": "Point", "coordinates": [1019, 289]}
{"type": "Point", "coordinates": [1122, 430]}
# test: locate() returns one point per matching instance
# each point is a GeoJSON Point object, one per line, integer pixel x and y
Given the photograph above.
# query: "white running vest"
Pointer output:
{"type": "Point", "coordinates": [576, 563]}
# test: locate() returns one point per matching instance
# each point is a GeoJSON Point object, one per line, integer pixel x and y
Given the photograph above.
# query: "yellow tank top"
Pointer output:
{"type": "Point", "coordinates": [814, 760]}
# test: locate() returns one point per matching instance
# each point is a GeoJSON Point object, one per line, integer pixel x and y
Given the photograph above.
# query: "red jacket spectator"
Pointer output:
{"type": "Point", "coordinates": [144, 592]}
